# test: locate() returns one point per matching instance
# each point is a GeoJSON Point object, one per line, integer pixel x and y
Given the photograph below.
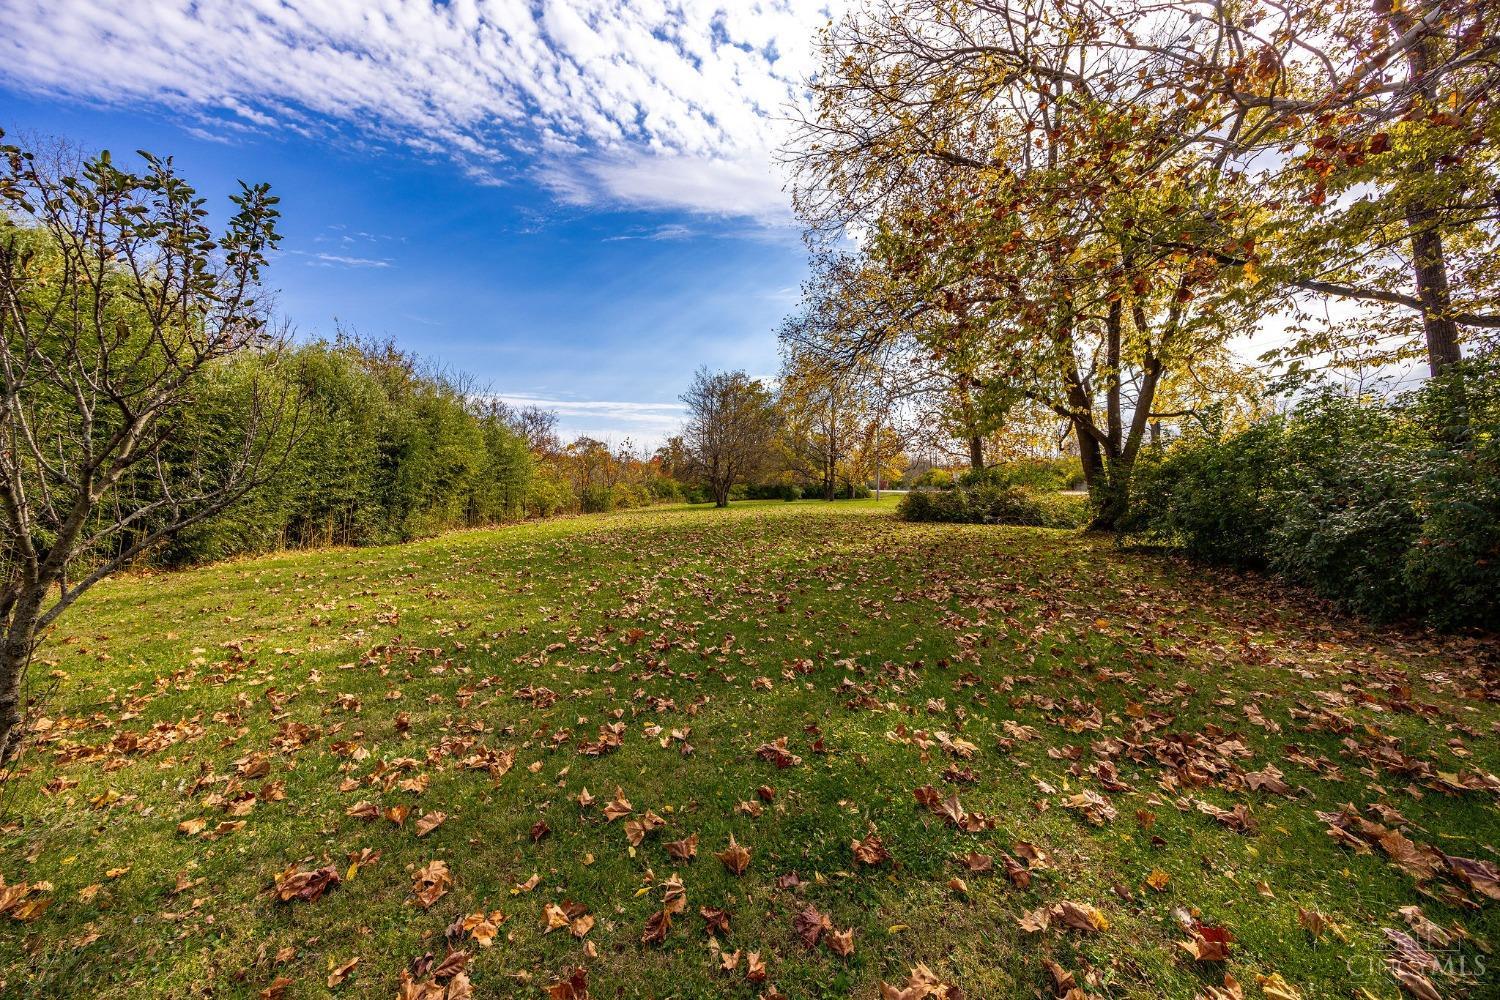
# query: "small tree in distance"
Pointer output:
{"type": "Point", "coordinates": [731, 421]}
{"type": "Point", "coordinates": [116, 301]}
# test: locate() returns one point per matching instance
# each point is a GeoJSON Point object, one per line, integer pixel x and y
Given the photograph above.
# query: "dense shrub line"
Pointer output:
{"type": "Point", "coordinates": [1063, 472]}
{"type": "Point", "coordinates": [1390, 508]}
{"type": "Point", "coordinates": [993, 504]}
{"type": "Point", "coordinates": [385, 449]}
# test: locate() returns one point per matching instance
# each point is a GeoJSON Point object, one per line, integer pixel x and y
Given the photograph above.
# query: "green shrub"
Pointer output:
{"type": "Point", "coordinates": [1040, 474]}
{"type": "Point", "coordinates": [1453, 567]}
{"type": "Point", "coordinates": [994, 505]}
{"type": "Point", "coordinates": [1214, 498]}
{"type": "Point", "coordinates": [626, 495]}
{"type": "Point", "coordinates": [773, 491]}
{"type": "Point", "coordinates": [1391, 510]}
{"type": "Point", "coordinates": [547, 495]}
{"type": "Point", "coordinates": [663, 489]}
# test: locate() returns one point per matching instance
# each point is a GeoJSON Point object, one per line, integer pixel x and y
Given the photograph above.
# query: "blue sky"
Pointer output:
{"type": "Point", "coordinates": [574, 201]}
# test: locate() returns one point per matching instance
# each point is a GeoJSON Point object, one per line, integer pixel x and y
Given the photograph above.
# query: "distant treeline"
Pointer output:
{"type": "Point", "coordinates": [380, 447]}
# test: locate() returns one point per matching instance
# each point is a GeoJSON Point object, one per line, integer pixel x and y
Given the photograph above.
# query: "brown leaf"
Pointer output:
{"type": "Point", "coordinates": [977, 863]}
{"type": "Point", "coordinates": [735, 857]}
{"type": "Point", "coordinates": [307, 886]}
{"type": "Point", "coordinates": [617, 807]}
{"type": "Point", "coordinates": [809, 925]}
{"type": "Point", "coordinates": [1414, 982]}
{"type": "Point", "coordinates": [1081, 916]}
{"type": "Point", "coordinates": [431, 883]}
{"type": "Point", "coordinates": [870, 851]}
{"type": "Point", "coordinates": [777, 753]}
{"type": "Point", "coordinates": [574, 987]}
{"type": "Point", "coordinates": [341, 973]}
{"type": "Point", "coordinates": [685, 849]}
{"type": "Point", "coordinates": [656, 927]}
{"type": "Point", "coordinates": [636, 829]}
{"type": "Point", "coordinates": [1208, 944]}
{"type": "Point", "coordinates": [454, 963]}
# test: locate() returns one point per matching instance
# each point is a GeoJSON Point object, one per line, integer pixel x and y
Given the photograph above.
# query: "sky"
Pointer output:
{"type": "Point", "coordinates": [576, 202]}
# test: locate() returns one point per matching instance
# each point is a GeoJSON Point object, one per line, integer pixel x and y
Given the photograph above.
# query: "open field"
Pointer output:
{"type": "Point", "coordinates": [1152, 742]}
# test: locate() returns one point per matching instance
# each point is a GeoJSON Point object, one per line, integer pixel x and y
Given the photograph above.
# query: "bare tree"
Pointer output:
{"type": "Point", "coordinates": [731, 421]}
{"type": "Point", "coordinates": [538, 427]}
{"type": "Point", "coordinates": [117, 302]}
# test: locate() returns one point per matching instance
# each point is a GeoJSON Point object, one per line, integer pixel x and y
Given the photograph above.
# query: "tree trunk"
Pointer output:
{"type": "Point", "coordinates": [1088, 455]}
{"type": "Point", "coordinates": [1431, 270]}
{"type": "Point", "coordinates": [976, 453]}
{"type": "Point", "coordinates": [1111, 496]}
{"type": "Point", "coordinates": [1429, 265]}
{"type": "Point", "coordinates": [15, 656]}
{"type": "Point", "coordinates": [11, 670]}
{"type": "Point", "coordinates": [1113, 411]}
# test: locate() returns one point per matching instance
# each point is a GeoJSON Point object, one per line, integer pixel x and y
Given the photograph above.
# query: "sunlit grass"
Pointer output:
{"type": "Point", "coordinates": [952, 628]}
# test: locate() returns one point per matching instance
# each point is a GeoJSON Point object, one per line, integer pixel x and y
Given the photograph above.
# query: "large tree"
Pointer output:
{"type": "Point", "coordinates": [1370, 132]}
{"type": "Point", "coordinates": [1092, 196]}
{"type": "Point", "coordinates": [731, 421]}
{"type": "Point", "coordinates": [116, 301]}
{"type": "Point", "coordinates": [1028, 202]}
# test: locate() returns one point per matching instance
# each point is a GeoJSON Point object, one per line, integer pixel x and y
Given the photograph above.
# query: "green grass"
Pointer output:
{"type": "Point", "coordinates": [866, 627]}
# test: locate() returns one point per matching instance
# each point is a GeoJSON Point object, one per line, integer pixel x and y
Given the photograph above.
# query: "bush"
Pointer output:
{"type": "Point", "coordinates": [1453, 567]}
{"type": "Point", "coordinates": [993, 505]}
{"type": "Point", "coordinates": [1040, 474]}
{"type": "Point", "coordinates": [1390, 510]}
{"type": "Point", "coordinates": [663, 489]}
{"type": "Point", "coordinates": [626, 495]}
{"type": "Point", "coordinates": [936, 478]}
{"type": "Point", "coordinates": [773, 491]}
{"type": "Point", "coordinates": [547, 495]}
{"type": "Point", "coordinates": [852, 491]}
{"type": "Point", "coordinates": [595, 498]}
{"type": "Point", "coordinates": [1215, 498]}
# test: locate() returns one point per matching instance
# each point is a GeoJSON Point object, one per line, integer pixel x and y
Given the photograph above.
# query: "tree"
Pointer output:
{"type": "Point", "coordinates": [730, 425]}
{"type": "Point", "coordinates": [537, 426]}
{"type": "Point", "coordinates": [823, 415]}
{"type": "Point", "coordinates": [1369, 129]}
{"type": "Point", "coordinates": [1028, 203]}
{"type": "Point", "coordinates": [117, 301]}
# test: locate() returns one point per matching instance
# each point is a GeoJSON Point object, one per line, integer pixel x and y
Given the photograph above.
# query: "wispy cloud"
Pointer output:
{"type": "Point", "coordinates": [672, 232]}
{"type": "Point", "coordinates": [320, 259]}
{"type": "Point", "coordinates": [647, 424]}
{"type": "Point", "coordinates": [651, 103]}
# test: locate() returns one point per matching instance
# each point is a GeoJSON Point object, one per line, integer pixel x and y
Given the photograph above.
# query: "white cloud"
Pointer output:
{"type": "Point", "coordinates": [660, 233]}
{"type": "Point", "coordinates": [654, 103]}
{"type": "Point", "coordinates": [647, 425]}
{"type": "Point", "coordinates": [341, 260]}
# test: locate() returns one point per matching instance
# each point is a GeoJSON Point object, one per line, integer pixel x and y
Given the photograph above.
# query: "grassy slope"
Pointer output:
{"type": "Point", "coordinates": [460, 622]}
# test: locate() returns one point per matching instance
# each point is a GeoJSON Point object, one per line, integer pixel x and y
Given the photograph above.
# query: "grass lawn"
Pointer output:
{"type": "Point", "coordinates": [1139, 749]}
